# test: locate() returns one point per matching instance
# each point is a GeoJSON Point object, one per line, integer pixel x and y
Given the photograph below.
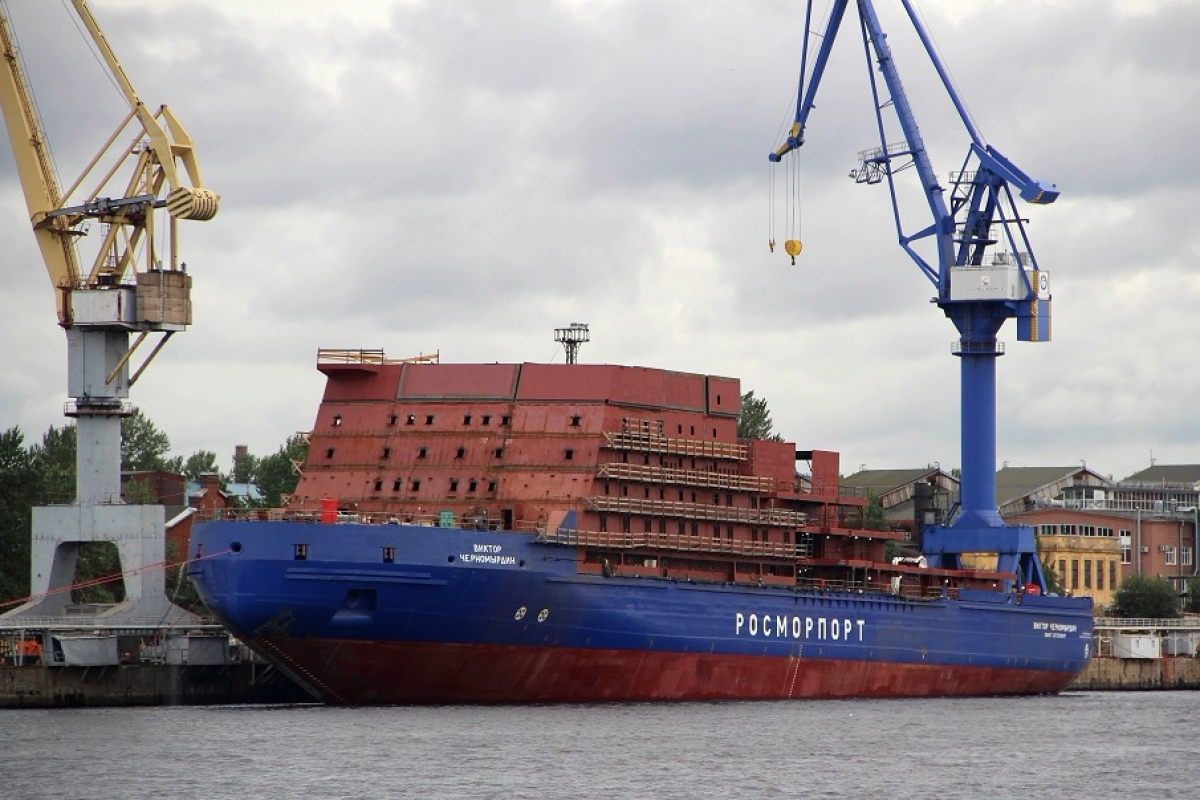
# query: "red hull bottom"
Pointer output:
{"type": "Point", "coordinates": [387, 673]}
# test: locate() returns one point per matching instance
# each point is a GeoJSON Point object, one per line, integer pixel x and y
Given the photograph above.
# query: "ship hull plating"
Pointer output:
{"type": "Point", "coordinates": [383, 614]}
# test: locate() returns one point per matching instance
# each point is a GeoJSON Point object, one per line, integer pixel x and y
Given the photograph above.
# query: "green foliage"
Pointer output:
{"type": "Point", "coordinates": [1143, 596]}
{"type": "Point", "coordinates": [55, 461]}
{"type": "Point", "coordinates": [875, 519]}
{"type": "Point", "coordinates": [754, 419]}
{"type": "Point", "coordinates": [98, 561]}
{"type": "Point", "coordinates": [140, 493]}
{"type": "Point", "coordinates": [143, 446]}
{"type": "Point", "coordinates": [1054, 584]}
{"type": "Point", "coordinates": [245, 469]}
{"type": "Point", "coordinates": [200, 463]}
{"type": "Point", "coordinates": [19, 483]}
{"type": "Point", "coordinates": [276, 477]}
{"type": "Point", "coordinates": [1193, 598]}
{"type": "Point", "coordinates": [1052, 579]}
{"type": "Point", "coordinates": [178, 588]}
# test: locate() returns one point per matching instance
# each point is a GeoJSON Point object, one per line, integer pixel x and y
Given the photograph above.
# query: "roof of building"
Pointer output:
{"type": "Point", "coordinates": [886, 484]}
{"type": "Point", "coordinates": [1014, 483]}
{"type": "Point", "coordinates": [884, 480]}
{"type": "Point", "coordinates": [1168, 473]}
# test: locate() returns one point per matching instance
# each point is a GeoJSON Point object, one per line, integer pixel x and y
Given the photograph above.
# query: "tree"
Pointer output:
{"type": "Point", "coordinates": [20, 485]}
{"type": "Point", "coordinates": [275, 474]}
{"type": "Point", "coordinates": [1193, 599]}
{"type": "Point", "coordinates": [55, 461]}
{"type": "Point", "coordinates": [754, 419]}
{"type": "Point", "coordinates": [1143, 596]}
{"type": "Point", "coordinates": [199, 463]}
{"type": "Point", "coordinates": [245, 468]}
{"type": "Point", "coordinates": [143, 446]}
{"type": "Point", "coordinates": [1050, 575]}
{"type": "Point", "coordinates": [140, 493]}
{"type": "Point", "coordinates": [875, 518]}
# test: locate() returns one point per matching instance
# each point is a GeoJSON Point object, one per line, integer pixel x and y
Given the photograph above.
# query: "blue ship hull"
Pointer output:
{"type": "Point", "coordinates": [417, 614]}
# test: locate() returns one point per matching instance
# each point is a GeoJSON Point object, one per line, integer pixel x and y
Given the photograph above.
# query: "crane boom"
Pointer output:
{"type": "Point", "coordinates": [34, 169]}
{"type": "Point", "coordinates": [158, 142]}
{"type": "Point", "coordinates": [979, 285]}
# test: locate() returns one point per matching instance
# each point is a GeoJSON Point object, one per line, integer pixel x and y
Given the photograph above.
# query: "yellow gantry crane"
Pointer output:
{"type": "Point", "coordinates": [134, 283]}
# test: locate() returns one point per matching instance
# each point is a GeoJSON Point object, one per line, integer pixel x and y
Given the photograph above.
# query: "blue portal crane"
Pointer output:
{"type": "Point", "coordinates": [984, 273]}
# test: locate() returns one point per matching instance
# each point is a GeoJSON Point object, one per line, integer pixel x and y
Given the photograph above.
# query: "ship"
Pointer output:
{"type": "Point", "coordinates": [507, 533]}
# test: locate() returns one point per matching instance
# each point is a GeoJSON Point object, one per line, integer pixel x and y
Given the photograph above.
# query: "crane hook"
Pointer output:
{"type": "Point", "coordinates": [792, 248]}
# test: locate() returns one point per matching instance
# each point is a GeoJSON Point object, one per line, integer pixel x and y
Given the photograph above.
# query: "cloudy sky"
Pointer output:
{"type": "Point", "coordinates": [464, 176]}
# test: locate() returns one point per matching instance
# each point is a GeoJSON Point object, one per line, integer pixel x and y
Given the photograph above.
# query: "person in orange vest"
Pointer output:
{"type": "Point", "coordinates": [30, 650]}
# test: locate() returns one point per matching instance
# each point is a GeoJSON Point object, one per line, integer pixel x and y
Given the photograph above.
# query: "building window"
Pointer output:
{"type": "Point", "coordinates": [1126, 552]}
{"type": "Point", "coordinates": [471, 485]}
{"type": "Point", "coordinates": [379, 484]}
{"type": "Point", "coordinates": [486, 419]}
{"type": "Point", "coordinates": [570, 454]}
{"type": "Point", "coordinates": [462, 451]}
{"type": "Point", "coordinates": [329, 453]}
{"type": "Point", "coordinates": [416, 484]}
{"type": "Point", "coordinates": [466, 419]}
{"type": "Point", "coordinates": [1062, 573]}
{"type": "Point", "coordinates": [1099, 575]}
{"type": "Point", "coordinates": [1112, 574]}
{"type": "Point", "coordinates": [454, 484]}
{"type": "Point", "coordinates": [1169, 555]}
{"type": "Point", "coordinates": [389, 555]}
{"type": "Point", "coordinates": [337, 420]}
{"type": "Point", "coordinates": [422, 452]}
{"type": "Point", "coordinates": [411, 419]}
{"type": "Point", "coordinates": [1087, 573]}
{"type": "Point", "coordinates": [300, 552]}
{"type": "Point", "coordinates": [387, 452]}
{"type": "Point", "coordinates": [391, 419]}
{"type": "Point", "coordinates": [429, 419]}
{"type": "Point", "coordinates": [1185, 556]}
{"type": "Point", "coordinates": [499, 452]}
{"type": "Point", "coordinates": [504, 420]}
{"type": "Point", "coordinates": [491, 486]}
{"type": "Point", "coordinates": [396, 485]}
{"type": "Point", "coordinates": [1074, 574]}
{"type": "Point", "coordinates": [575, 421]}
{"type": "Point", "coordinates": [603, 524]}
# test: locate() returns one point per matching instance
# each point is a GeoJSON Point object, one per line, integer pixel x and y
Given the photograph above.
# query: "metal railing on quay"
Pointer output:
{"type": "Point", "coordinates": [1185, 623]}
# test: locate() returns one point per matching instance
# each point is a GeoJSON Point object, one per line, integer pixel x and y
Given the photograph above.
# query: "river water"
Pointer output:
{"type": "Point", "coordinates": [1076, 745]}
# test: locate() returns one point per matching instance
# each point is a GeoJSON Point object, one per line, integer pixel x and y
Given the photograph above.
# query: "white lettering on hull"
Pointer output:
{"type": "Point", "coordinates": [798, 627]}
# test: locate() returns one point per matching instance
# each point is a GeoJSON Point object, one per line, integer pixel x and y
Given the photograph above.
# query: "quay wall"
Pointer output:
{"type": "Point", "coordinates": [1106, 673]}
{"type": "Point", "coordinates": [145, 685]}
